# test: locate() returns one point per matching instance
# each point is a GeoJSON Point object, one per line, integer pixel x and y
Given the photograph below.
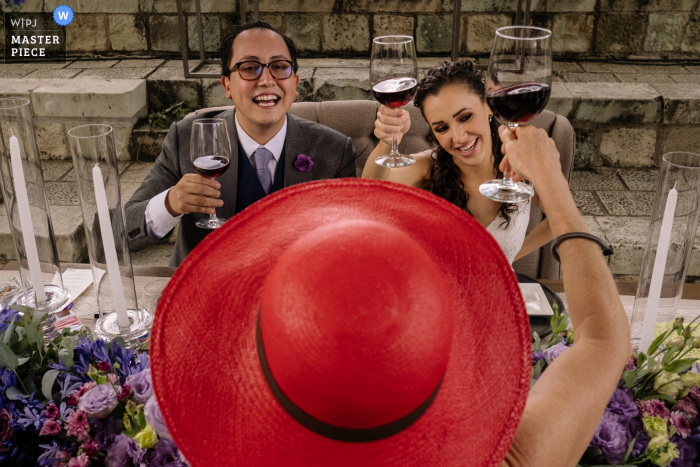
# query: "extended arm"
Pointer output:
{"type": "Point", "coordinates": [538, 237]}
{"type": "Point", "coordinates": [568, 400]}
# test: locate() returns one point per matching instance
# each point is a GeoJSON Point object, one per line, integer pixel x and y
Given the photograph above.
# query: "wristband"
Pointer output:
{"type": "Point", "coordinates": [607, 250]}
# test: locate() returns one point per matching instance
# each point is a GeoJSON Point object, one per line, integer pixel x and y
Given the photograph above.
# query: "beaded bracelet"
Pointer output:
{"type": "Point", "coordinates": [607, 250]}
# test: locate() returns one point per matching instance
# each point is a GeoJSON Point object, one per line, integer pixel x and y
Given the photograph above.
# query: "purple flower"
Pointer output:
{"type": "Point", "coordinates": [107, 429]}
{"type": "Point", "coordinates": [553, 352]}
{"type": "Point", "coordinates": [687, 406]}
{"type": "Point", "coordinates": [121, 452]}
{"type": "Point", "coordinates": [165, 455]}
{"type": "Point", "coordinates": [611, 438]}
{"type": "Point", "coordinates": [640, 445]}
{"type": "Point", "coordinates": [622, 404]}
{"type": "Point", "coordinates": [687, 452]}
{"type": "Point", "coordinates": [304, 163]}
{"type": "Point", "coordinates": [537, 357]}
{"type": "Point", "coordinates": [99, 401]}
{"type": "Point", "coordinates": [681, 423]}
{"type": "Point", "coordinates": [154, 418]}
{"type": "Point", "coordinates": [142, 385]}
{"type": "Point", "coordinates": [631, 364]}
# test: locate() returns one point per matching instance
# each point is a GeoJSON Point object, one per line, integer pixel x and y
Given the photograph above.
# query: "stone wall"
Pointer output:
{"type": "Point", "coordinates": [631, 29]}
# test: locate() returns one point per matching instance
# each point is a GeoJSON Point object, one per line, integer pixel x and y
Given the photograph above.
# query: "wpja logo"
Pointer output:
{"type": "Point", "coordinates": [37, 35]}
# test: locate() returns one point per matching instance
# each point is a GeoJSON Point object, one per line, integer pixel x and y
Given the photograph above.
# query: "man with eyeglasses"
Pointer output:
{"type": "Point", "coordinates": [270, 149]}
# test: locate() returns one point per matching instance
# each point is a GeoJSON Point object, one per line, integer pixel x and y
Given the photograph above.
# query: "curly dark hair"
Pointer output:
{"type": "Point", "coordinates": [445, 176]}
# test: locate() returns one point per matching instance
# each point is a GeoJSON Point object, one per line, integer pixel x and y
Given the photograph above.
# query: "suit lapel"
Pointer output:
{"type": "Point", "coordinates": [229, 180]}
{"type": "Point", "coordinates": [295, 143]}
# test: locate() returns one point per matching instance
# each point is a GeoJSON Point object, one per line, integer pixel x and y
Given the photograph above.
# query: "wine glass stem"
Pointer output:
{"type": "Point", "coordinates": [212, 216]}
{"type": "Point", "coordinates": [508, 172]}
{"type": "Point", "coordinates": [394, 146]}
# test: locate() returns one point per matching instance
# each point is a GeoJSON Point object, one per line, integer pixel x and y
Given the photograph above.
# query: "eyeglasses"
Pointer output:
{"type": "Point", "coordinates": [250, 71]}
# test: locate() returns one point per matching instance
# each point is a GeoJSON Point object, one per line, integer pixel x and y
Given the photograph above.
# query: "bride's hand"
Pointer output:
{"type": "Point", "coordinates": [391, 120]}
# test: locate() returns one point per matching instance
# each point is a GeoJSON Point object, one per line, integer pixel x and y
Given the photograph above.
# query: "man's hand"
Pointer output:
{"type": "Point", "coordinates": [389, 121]}
{"type": "Point", "coordinates": [531, 153]}
{"type": "Point", "coordinates": [193, 193]}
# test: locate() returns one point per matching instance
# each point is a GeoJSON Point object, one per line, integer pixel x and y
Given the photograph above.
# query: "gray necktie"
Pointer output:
{"type": "Point", "coordinates": [262, 161]}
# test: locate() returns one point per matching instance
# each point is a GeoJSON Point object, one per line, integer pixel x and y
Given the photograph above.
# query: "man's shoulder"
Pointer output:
{"type": "Point", "coordinates": [314, 129]}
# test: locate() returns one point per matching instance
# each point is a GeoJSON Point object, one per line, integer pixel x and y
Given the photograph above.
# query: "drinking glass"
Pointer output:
{"type": "Point", "coordinates": [519, 80]}
{"type": "Point", "coordinates": [210, 152]}
{"type": "Point", "coordinates": [152, 292]}
{"type": "Point", "coordinates": [393, 76]}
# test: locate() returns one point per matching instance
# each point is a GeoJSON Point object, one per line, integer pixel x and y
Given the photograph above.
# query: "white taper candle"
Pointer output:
{"type": "Point", "coordinates": [657, 276]}
{"type": "Point", "coordinates": [25, 220]}
{"type": "Point", "coordinates": [115, 278]}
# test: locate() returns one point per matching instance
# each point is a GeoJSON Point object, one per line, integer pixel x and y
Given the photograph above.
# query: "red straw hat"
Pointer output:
{"type": "Point", "coordinates": [343, 323]}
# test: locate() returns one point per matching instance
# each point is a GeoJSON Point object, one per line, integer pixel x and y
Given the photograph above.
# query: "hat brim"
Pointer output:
{"type": "Point", "coordinates": [207, 375]}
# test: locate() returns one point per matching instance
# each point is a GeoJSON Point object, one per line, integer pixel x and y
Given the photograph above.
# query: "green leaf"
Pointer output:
{"type": "Point", "coordinates": [536, 341]}
{"type": "Point", "coordinates": [22, 361]}
{"type": "Point", "coordinates": [629, 450]}
{"type": "Point", "coordinates": [131, 433]}
{"type": "Point", "coordinates": [141, 419]}
{"type": "Point", "coordinates": [680, 366]}
{"type": "Point", "coordinates": [120, 341]}
{"type": "Point", "coordinates": [668, 356]}
{"type": "Point", "coordinates": [30, 385]}
{"type": "Point", "coordinates": [14, 394]}
{"type": "Point", "coordinates": [8, 333]}
{"type": "Point", "coordinates": [656, 343]}
{"type": "Point", "coordinates": [66, 356]}
{"type": "Point", "coordinates": [47, 382]}
{"type": "Point", "coordinates": [630, 378]}
{"type": "Point", "coordinates": [38, 317]}
{"type": "Point", "coordinates": [662, 397]}
{"type": "Point", "coordinates": [34, 336]}
{"type": "Point", "coordinates": [23, 309]}
{"type": "Point", "coordinates": [8, 359]}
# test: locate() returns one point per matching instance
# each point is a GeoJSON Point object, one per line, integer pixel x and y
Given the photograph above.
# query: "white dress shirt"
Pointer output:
{"type": "Point", "coordinates": [159, 221]}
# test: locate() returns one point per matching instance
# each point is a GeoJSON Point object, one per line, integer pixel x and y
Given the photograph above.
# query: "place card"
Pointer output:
{"type": "Point", "coordinates": [535, 300]}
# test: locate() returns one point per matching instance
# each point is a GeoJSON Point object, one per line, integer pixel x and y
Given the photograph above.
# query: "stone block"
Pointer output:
{"type": "Point", "coordinates": [90, 98]}
{"type": "Point", "coordinates": [15, 73]}
{"type": "Point", "coordinates": [33, 6]}
{"type": "Point", "coordinates": [111, 6]}
{"type": "Point", "coordinates": [87, 64]}
{"type": "Point", "coordinates": [663, 32]}
{"type": "Point", "coordinates": [51, 5]}
{"type": "Point", "coordinates": [62, 194]}
{"type": "Point", "coordinates": [43, 65]}
{"type": "Point", "coordinates": [588, 77]}
{"type": "Point", "coordinates": [116, 73]}
{"type": "Point", "coordinates": [211, 33]}
{"type": "Point", "coordinates": [627, 236]}
{"type": "Point", "coordinates": [336, 63]}
{"type": "Point", "coordinates": [147, 143]}
{"type": "Point", "coordinates": [157, 255]}
{"type": "Point", "coordinates": [615, 103]}
{"type": "Point", "coordinates": [64, 73]}
{"type": "Point", "coordinates": [305, 88]}
{"type": "Point", "coordinates": [392, 25]}
{"type": "Point", "coordinates": [693, 69]}
{"type": "Point", "coordinates": [55, 170]}
{"type": "Point", "coordinates": [481, 30]}
{"type": "Point", "coordinates": [585, 148]}
{"type": "Point", "coordinates": [626, 203]}
{"type": "Point", "coordinates": [620, 34]}
{"type": "Point", "coordinates": [628, 147]}
{"type": "Point", "coordinates": [393, 6]}
{"type": "Point", "coordinates": [148, 63]}
{"type": "Point", "coordinates": [349, 33]}
{"type": "Point", "coordinates": [694, 79]}
{"type": "Point", "coordinates": [586, 203]}
{"type": "Point", "coordinates": [136, 172]}
{"type": "Point", "coordinates": [128, 33]}
{"type": "Point", "coordinates": [301, 6]}
{"type": "Point", "coordinates": [305, 31]}
{"type": "Point", "coordinates": [168, 85]}
{"type": "Point", "coordinates": [684, 139]}
{"type": "Point", "coordinates": [691, 35]}
{"type": "Point", "coordinates": [343, 84]}
{"type": "Point", "coordinates": [276, 21]}
{"type": "Point", "coordinates": [560, 100]}
{"type": "Point", "coordinates": [14, 66]}
{"type": "Point", "coordinates": [557, 6]}
{"type": "Point", "coordinates": [51, 140]}
{"type": "Point", "coordinates": [214, 93]}
{"type": "Point", "coordinates": [434, 34]}
{"type": "Point", "coordinates": [88, 33]}
{"type": "Point", "coordinates": [505, 6]}
{"type": "Point", "coordinates": [607, 67]}
{"type": "Point", "coordinates": [19, 87]}
{"type": "Point", "coordinates": [639, 179]}
{"type": "Point", "coordinates": [164, 33]}
{"type": "Point", "coordinates": [644, 78]}
{"type": "Point", "coordinates": [600, 178]}
{"type": "Point", "coordinates": [661, 69]}
{"type": "Point", "coordinates": [567, 66]}
{"type": "Point", "coordinates": [648, 5]}
{"type": "Point", "coordinates": [681, 103]}
{"type": "Point", "coordinates": [572, 33]}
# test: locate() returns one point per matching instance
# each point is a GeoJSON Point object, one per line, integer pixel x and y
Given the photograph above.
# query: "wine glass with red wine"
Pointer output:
{"type": "Point", "coordinates": [393, 76]}
{"type": "Point", "coordinates": [210, 152]}
{"type": "Point", "coordinates": [518, 85]}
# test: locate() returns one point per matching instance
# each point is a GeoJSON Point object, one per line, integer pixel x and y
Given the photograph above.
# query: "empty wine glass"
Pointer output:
{"type": "Point", "coordinates": [152, 292]}
{"type": "Point", "coordinates": [210, 152]}
{"type": "Point", "coordinates": [519, 80]}
{"type": "Point", "coordinates": [393, 77]}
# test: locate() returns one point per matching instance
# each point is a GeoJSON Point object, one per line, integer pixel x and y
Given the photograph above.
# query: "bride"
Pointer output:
{"type": "Point", "coordinates": [452, 99]}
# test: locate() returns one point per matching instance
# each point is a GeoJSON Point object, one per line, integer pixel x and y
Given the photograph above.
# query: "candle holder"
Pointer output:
{"type": "Point", "coordinates": [672, 229]}
{"type": "Point", "coordinates": [24, 193]}
{"type": "Point", "coordinates": [95, 163]}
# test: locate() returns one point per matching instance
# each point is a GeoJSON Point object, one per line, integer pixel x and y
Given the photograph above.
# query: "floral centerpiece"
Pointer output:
{"type": "Point", "coordinates": [75, 401]}
{"type": "Point", "coordinates": [652, 418]}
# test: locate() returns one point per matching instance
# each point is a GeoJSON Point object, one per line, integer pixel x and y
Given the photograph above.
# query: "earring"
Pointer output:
{"type": "Point", "coordinates": [490, 118]}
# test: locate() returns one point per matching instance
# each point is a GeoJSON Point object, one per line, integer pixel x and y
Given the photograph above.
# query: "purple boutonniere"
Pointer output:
{"type": "Point", "coordinates": [304, 163]}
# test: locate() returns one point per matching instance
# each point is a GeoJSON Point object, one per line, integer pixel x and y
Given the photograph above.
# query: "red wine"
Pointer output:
{"type": "Point", "coordinates": [519, 103]}
{"type": "Point", "coordinates": [394, 92]}
{"type": "Point", "coordinates": [211, 166]}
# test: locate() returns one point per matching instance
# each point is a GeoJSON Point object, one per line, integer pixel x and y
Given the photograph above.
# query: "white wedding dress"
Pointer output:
{"type": "Point", "coordinates": [511, 238]}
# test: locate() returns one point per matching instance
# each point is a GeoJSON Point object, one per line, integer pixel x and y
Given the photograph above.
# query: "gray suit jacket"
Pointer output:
{"type": "Point", "coordinates": [333, 155]}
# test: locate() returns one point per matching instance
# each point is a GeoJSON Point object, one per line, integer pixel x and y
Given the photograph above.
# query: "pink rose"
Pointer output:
{"type": "Point", "coordinates": [681, 423]}
{"type": "Point", "coordinates": [5, 425]}
{"type": "Point", "coordinates": [50, 428]}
